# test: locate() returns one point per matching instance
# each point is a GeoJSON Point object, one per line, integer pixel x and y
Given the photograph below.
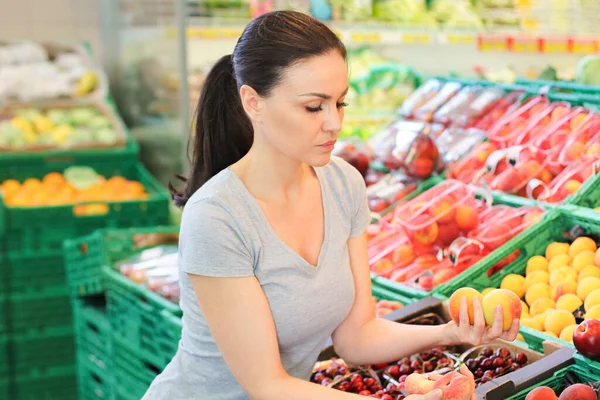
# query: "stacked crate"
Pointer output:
{"type": "Point", "coordinates": [38, 350]}
{"type": "Point", "coordinates": [126, 334]}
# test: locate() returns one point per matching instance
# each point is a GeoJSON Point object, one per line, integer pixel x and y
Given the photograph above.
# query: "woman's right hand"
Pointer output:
{"type": "Point", "coordinates": [433, 395]}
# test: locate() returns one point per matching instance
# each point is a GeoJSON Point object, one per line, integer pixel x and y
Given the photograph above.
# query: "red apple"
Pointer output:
{"type": "Point", "coordinates": [587, 339]}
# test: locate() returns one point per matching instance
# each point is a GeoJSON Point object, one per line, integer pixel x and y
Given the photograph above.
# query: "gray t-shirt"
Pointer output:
{"type": "Point", "coordinates": [224, 233]}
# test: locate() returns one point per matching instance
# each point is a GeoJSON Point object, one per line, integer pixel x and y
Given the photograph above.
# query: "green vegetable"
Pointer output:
{"type": "Point", "coordinates": [81, 178]}
{"type": "Point", "coordinates": [587, 71]}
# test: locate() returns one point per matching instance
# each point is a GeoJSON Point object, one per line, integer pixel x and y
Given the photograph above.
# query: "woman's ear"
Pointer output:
{"type": "Point", "coordinates": [252, 103]}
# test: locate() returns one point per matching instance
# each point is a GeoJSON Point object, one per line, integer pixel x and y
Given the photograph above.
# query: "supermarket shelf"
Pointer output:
{"type": "Point", "coordinates": [498, 40]}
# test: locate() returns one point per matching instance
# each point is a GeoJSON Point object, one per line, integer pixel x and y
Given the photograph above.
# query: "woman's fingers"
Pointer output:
{"type": "Point", "coordinates": [497, 327]}
{"type": "Point", "coordinates": [466, 371]}
{"type": "Point", "coordinates": [464, 313]}
{"type": "Point", "coordinates": [512, 333]}
{"type": "Point", "coordinates": [479, 320]}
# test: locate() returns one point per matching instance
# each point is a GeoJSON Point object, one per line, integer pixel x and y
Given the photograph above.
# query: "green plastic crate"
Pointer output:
{"type": "Point", "coordinates": [30, 271]}
{"type": "Point", "coordinates": [142, 319]}
{"type": "Point", "coordinates": [40, 351]}
{"type": "Point", "coordinates": [133, 375]}
{"type": "Point", "coordinates": [557, 381]}
{"type": "Point", "coordinates": [382, 293]}
{"type": "Point", "coordinates": [39, 228]}
{"type": "Point", "coordinates": [562, 86]}
{"type": "Point", "coordinates": [95, 382]}
{"type": "Point", "coordinates": [85, 256]}
{"type": "Point", "coordinates": [9, 162]}
{"type": "Point", "coordinates": [4, 357]}
{"type": "Point", "coordinates": [444, 290]}
{"type": "Point", "coordinates": [3, 314]}
{"type": "Point", "coordinates": [39, 310]}
{"type": "Point", "coordinates": [56, 383]}
{"type": "Point", "coordinates": [92, 326]}
{"type": "Point", "coordinates": [4, 388]}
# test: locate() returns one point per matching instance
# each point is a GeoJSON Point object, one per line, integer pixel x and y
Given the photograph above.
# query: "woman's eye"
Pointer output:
{"type": "Point", "coordinates": [342, 105]}
{"type": "Point", "coordinates": [314, 109]}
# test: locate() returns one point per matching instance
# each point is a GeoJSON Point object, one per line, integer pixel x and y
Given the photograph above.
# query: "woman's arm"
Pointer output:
{"type": "Point", "coordinates": [364, 339]}
{"type": "Point", "coordinates": [241, 323]}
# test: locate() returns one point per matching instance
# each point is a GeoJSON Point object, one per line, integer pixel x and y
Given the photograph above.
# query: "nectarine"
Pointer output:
{"type": "Point", "coordinates": [466, 217]}
{"type": "Point", "coordinates": [578, 391]}
{"type": "Point", "coordinates": [455, 299]}
{"type": "Point", "coordinates": [541, 393]}
{"type": "Point", "coordinates": [418, 384]}
{"type": "Point", "coordinates": [455, 386]}
{"type": "Point", "coordinates": [511, 307]}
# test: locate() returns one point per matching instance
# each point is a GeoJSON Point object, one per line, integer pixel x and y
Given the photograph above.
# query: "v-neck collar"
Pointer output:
{"type": "Point", "coordinates": [269, 228]}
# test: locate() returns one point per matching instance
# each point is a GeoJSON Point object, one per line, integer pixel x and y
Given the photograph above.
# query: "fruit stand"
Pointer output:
{"type": "Point", "coordinates": [477, 189]}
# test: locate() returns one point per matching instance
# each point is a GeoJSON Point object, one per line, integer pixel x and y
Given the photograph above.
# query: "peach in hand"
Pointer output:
{"type": "Point", "coordinates": [455, 300]}
{"type": "Point", "coordinates": [418, 384]}
{"type": "Point", "coordinates": [511, 307]}
{"type": "Point", "coordinates": [455, 386]}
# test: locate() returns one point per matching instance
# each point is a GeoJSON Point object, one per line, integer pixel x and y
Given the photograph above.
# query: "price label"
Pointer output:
{"type": "Point", "coordinates": [584, 46]}
{"type": "Point", "coordinates": [460, 39]}
{"type": "Point", "coordinates": [493, 44]}
{"type": "Point", "coordinates": [555, 46]}
{"type": "Point", "coordinates": [366, 37]}
{"type": "Point", "coordinates": [523, 3]}
{"type": "Point", "coordinates": [525, 45]}
{"type": "Point", "coordinates": [213, 33]}
{"type": "Point", "coordinates": [416, 38]}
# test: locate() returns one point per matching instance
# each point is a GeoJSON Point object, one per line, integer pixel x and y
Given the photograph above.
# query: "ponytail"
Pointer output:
{"type": "Point", "coordinates": [223, 133]}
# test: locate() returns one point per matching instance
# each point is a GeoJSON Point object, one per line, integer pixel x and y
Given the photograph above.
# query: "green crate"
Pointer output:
{"type": "Point", "coordinates": [32, 161]}
{"type": "Point", "coordinates": [588, 196]}
{"type": "Point", "coordinates": [3, 314]}
{"type": "Point", "coordinates": [557, 381]}
{"type": "Point", "coordinates": [4, 356]}
{"type": "Point", "coordinates": [40, 351]}
{"type": "Point", "coordinates": [5, 388]}
{"type": "Point", "coordinates": [85, 256]}
{"type": "Point", "coordinates": [382, 293]}
{"type": "Point", "coordinates": [562, 86]}
{"type": "Point", "coordinates": [95, 380]}
{"type": "Point", "coordinates": [92, 326]}
{"type": "Point", "coordinates": [133, 375]}
{"type": "Point", "coordinates": [142, 319]}
{"type": "Point", "coordinates": [444, 290]}
{"type": "Point", "coordinates": [38, 228]}
{"type": "Point", "coordinates": [39, 310]}
{"type": "Point", "coordinates": [57, 383]}
{"type": "Point", "coordinates": [32, 271]}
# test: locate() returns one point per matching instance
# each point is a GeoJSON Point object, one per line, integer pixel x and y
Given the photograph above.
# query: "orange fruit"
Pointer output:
{"type": "Point", "coordinates": [10, 187]}
{"type": "Point", "coordinates": [53, 179]}
{"type": "Point", "coordinates": [116, 182]}
{"type": "Point", "coordinates": [32, 184]}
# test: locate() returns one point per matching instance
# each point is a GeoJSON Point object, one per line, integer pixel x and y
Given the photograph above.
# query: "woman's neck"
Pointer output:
{"type": "Point", "coordinates": [271, 176]}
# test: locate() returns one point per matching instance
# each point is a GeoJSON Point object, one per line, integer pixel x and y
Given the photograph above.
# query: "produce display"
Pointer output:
{"type": "Point", "coordinates": [75, 185]}
{"type": "Point", "coordinates": [156, 268]}
{"type": "Point", "coordinates": [561, 288]}
{"type": "Point", "coordinates": [31, 129]}
{"type": "Point", "coordinates": [437, 235]}
{"type": "Point", "coordinates": [398, 379]}
{"type": "Point", "coordinates": [30, 71]}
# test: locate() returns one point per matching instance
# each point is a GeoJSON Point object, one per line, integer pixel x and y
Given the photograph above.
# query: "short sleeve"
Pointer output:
{"type": "Point", "coordinates": [211, 242]}
{"type": "Point", "coordinates": [361, 215]}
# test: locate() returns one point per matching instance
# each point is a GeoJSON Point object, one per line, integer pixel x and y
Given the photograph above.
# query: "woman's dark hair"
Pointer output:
{"type": "Point", "coordinates": [269, 44]}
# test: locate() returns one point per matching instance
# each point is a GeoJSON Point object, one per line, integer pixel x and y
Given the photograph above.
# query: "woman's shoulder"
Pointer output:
{"type": "Point", "coordinates": [216, 204]}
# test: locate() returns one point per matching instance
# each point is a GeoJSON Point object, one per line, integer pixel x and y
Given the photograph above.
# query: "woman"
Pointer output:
{"type": "Point", "coordinates": [273, 251]}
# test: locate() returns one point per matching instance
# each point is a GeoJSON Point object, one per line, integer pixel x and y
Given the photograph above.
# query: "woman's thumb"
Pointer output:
{"type": "Point", "coordinates": [434, 395]}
